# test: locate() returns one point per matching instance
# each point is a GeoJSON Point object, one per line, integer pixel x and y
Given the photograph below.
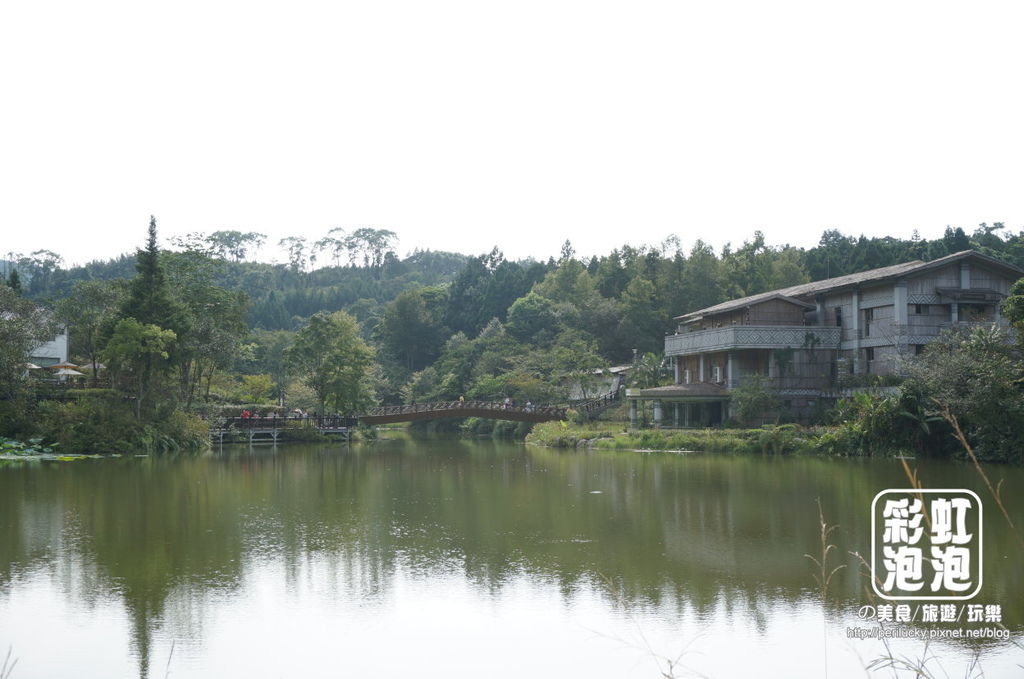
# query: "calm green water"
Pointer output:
{"type": "Point", "coordinates": [458, 559]}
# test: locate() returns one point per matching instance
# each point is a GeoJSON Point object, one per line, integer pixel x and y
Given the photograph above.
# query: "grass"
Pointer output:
{"type": "Point", "coordinates": [786, 438]}
{"type": "Point", "coordinates": [824, 576]}
{"type": "Point", "coordinates": [8, 666]}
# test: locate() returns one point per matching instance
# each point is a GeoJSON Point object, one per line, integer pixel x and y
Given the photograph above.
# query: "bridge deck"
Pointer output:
{"type": "Point", "coordinates": [445, 409]}
{"type": "Point", "coordinates": [271, 427]}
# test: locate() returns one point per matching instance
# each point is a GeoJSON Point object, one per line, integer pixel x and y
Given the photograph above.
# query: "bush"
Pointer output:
{"type": "Point", "coordinates": [782, 439]}
{"type": "Point", "coordinates": [105, 423]}
{"type": "Point", "coordinates": [17, 417]}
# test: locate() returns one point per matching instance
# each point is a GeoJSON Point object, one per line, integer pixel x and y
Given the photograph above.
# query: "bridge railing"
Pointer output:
{"type": "Point", "coordinates": [593, 406]}
{"type": "Point", "coordinates": [275, 423]}
{"type": "Point", "coordinates": [491, 406]}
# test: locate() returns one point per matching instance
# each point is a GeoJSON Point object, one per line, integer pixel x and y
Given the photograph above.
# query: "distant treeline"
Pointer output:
{"type": "Point", "coordinates": [666, 280]}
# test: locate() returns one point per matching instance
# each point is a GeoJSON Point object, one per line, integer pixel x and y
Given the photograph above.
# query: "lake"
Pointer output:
{"type": "Point", "coordinates": [453, 558]}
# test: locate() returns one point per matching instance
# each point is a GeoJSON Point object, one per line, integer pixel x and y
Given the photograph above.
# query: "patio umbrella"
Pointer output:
{"type": "Point", "coordinates": [65, 365]}
{"type": "Point", "coordinates": [31, 366]}
{"type": "Point", "coordinates": [68, 371]}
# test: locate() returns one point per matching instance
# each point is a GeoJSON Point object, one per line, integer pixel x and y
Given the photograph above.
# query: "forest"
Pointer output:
{"type": "Point", "coordinates": [199, 326]}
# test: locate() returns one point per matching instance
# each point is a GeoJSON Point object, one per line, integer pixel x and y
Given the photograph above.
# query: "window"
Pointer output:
{"type": "Point", "coordinates": [839, 316]}
{"type": "Point", "coordinates": [918, 349]}
{"type": "Point", "coordinates": [869, 315]}
{"type": "Point", "coordinates": [977, 313]}
{"type": "Point", "coordinates": [869, 355]}
{"type": "Point", "coordinates": [921, 309]}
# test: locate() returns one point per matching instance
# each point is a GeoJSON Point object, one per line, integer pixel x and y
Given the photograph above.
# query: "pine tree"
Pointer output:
{"type": "Point", "coordinates": [149, 300]}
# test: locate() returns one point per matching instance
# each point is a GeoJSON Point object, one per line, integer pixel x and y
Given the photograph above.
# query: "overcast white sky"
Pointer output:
{"type": "Point", "coordinates": [464, 125]}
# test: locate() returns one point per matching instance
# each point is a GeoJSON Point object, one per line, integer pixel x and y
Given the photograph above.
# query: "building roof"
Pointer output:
{"type": "Point", "coordinates": [853, 280]}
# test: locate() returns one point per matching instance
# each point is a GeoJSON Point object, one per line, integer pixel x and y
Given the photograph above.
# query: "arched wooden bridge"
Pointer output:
{"type": "Point", "coordinates": [444, 409]}
{"type": "Point", "coordinates": [260, 428]}
{"type": "Point", "coordinates": [495, 410]}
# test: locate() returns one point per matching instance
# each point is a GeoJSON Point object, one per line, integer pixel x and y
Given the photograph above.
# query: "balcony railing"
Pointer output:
{"type": "Point", "coordinates": [752, 337]}
{"type": "Point", "coordinates": [788, 382]}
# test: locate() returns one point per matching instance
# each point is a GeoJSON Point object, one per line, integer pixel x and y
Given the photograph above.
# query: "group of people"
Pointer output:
{"type": "Point", "coordinates": [510, 403]}
{"type": "Point", "coordinates": [297, 414]}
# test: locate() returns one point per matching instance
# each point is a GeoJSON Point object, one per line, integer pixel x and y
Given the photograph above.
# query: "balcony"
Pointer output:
{"type": "Point", "coordinates": [752, 337]}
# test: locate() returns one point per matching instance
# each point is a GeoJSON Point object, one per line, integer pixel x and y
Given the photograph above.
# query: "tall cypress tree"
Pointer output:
{"type": "Point", "coordinates": [149, 300]}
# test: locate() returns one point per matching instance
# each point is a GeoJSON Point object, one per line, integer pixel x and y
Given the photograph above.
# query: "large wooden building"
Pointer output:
{"type": "Point", "coordinates": [808, 342]}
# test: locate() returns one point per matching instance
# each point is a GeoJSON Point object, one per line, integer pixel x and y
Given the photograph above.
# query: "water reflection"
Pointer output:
{"type": "Point", "coordinates": [713, 537]}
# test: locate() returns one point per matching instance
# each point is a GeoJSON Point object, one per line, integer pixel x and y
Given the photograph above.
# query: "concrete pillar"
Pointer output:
{"type": "Point", "coordinates": [899, 302]}
{"type": "Point", "coordinates": [632, 413]}
{"type": "Point", "coordinates": [900, 311]}
{"type": "Point", "coordinates": [855, 314]}
{"type": "Point", "coordinates": [730, 370]}
{"type": "Point", "coordinates": [701, 369]}
{"type": "Point", "coordinates": [677, 364]}
{"type": "Point", "coordinates": [657, 414]}
{"type": "Point", "coordinates": [855, 329]}
{"type": "Point", "coordinates": [954, 312]}
{"type": "Point", "coordinates": [675, 414]}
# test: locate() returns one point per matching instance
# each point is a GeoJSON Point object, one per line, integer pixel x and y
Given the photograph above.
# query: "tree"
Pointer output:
{"type": "Point", "coordinates": [787, 269]}
{"type": "Point", "coordinates": [215, 321]}
{"type": "Point", "coordinates": [955, 240]}
{"type": "Point", "coordinates": [149, 299]}
{"type": "Point", "coordinates": [531, 315]}
{"type": "Point", "coordinates": [371, 245]}
{"type": "Point", "coordinates": [484, 290]}
{"type": "Point", "coordinates": [235, 245]}
{"type": "Point", "coordinates": [89, 310]}
{"type": "Point", "coordinates": [257, 388]}
{"type": "Point", "coordinates": [1013, 310]}
{"type": "Point", "coordinates": [578, 364]}
{"type": "Point", "coordinates": [269, 350]}
{"type": "Point", "coordinates": [137, 355]}
{"type": "Point", "coordinates": [648, 371]}
{"type": "Point", "coordinates": [216, 329]}
{"type": "Point", "coordinates": [701, 278]}
{"type": "Point", "coordinates": [14, 281]}
{"type": "Point", "coordinates": [40, 267]}
{"type": "Point", "coordinates": [640, 319]}
{"type": "Point", "coordinates": [411, 330]}
{"type": "Point", "coordinates": [753, 399]}
{"type": "Point", "coordinates": [568, 251]}
{"type": "Point", "coordinates": [748, 270]}
{"type": "Point", "coordinates": [978, 376]}
{"type": "Point", "coordinates": [24, 326]}
{"type": "Point", "coordinates": [333, 243]}
{"type": "Point", "coordinates": [334, 361]}
{"type": "Point", "coordinates": [611, 276]}
{"type": "Point", "coordinates": [296, 248]}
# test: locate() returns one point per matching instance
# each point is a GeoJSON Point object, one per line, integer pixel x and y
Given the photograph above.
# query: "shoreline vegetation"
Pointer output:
{"type": "Point", "coordinates": [772, 439]}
